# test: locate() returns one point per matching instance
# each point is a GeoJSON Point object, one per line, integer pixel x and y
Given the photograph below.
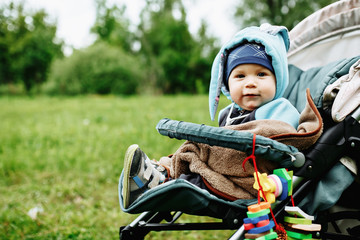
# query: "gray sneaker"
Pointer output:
{"type": "Point", "coordinates": [140, 175]}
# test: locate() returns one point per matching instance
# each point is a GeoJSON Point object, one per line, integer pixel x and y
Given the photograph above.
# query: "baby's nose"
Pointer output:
{"type": "Point", "coordinates": [251, 82]}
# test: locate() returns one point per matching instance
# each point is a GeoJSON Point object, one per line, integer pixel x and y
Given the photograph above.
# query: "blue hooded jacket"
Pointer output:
{"type": "Point", "coordinates": [275, 39]}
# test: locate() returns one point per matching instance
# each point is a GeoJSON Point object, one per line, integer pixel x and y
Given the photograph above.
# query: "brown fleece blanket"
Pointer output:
{"type": "Point", "coordinates": [221, 168]}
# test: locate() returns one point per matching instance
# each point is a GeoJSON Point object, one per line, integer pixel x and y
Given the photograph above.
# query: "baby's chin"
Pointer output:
{"type": "Point", "coordinates": [250, 108]}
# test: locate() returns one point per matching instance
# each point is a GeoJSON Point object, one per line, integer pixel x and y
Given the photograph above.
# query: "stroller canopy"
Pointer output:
{"type": "Point", "coordinates": [330, 34]}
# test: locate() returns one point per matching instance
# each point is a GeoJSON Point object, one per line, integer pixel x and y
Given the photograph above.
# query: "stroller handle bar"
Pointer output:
{"type": "Point", "coordinates": [265, 147]}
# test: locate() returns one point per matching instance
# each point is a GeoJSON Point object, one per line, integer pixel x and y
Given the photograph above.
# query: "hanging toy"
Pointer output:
{"type": "Point", "coordinates": [298, 225]}
{"type": "Point", "coordinates": [258, 224]}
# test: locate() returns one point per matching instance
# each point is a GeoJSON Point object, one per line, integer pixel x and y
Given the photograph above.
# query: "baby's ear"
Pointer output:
{"type": "Point", "coordinates": [282, 31]}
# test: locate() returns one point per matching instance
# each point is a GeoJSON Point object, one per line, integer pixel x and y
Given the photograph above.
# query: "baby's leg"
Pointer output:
{"type": "Point", "coordinates": [140, 174]}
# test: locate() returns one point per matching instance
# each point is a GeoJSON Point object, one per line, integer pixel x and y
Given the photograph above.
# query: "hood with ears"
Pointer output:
{"type": "Point", "coordinates": [276, 41]}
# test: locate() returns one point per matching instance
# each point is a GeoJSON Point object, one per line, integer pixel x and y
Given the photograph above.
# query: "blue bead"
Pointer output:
{"type": "Point", "coordinates": [284, 193]}
{"type": "Point", "coordinates": [256, 219]}
{"type": "Point", "coordinates": [262, 229]}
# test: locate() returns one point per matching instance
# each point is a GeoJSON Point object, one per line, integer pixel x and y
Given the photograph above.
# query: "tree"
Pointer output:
{"type": "Point", "coordinates": [204, 52]}
{"type": "Point", "coordinates": [6, 25]}
{"type": "Point", "coordinates": [111, 26]}
{"type": "Point", "coordinates": [176, 61]}
{"type": "Point", "coordinates": [29, 45]}
{"type": "Point", "coordinates": [98, 69]}
{"type": "Point", "coordinates": [278, 12]}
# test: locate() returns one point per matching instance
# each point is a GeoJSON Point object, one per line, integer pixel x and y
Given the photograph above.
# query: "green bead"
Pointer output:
{"type": "Point", "coordinates": [297, 220]}
{"type": "Point", "coordinates": [258, 214]}
{"type": "Point", "coordinates": [298, 235]}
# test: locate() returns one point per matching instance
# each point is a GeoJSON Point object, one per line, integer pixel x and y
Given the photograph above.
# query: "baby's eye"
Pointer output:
{"type": "Point", "coordinates": [261, 74]}
{"type": "Point", "coordinates": [240, 76]}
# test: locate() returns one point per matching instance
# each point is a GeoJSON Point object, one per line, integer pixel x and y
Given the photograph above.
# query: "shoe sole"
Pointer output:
{"type": "Point", "coordinates": [129, 155]}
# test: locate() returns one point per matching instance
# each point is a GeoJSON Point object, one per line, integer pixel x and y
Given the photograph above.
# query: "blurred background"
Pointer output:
{"type": "Point", "coordinates": [125, 47]}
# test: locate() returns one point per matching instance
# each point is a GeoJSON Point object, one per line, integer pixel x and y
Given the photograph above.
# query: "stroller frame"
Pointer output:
{"type": "Point", "coordinates": [322, 156]}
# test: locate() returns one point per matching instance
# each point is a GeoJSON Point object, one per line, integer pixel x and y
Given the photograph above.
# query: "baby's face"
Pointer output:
{"type": "Point", "coordinates": [251, 86]}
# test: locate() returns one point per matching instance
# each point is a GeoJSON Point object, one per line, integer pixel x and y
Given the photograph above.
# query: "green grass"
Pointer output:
{"type": "Point", "coordinates": [65, 155]}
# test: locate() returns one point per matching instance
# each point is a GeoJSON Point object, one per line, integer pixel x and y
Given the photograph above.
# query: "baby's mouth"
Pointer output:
{"type": "Point", "coordinates": [251, 95]}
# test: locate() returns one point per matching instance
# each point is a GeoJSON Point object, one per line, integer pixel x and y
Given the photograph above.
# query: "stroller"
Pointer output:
{"type": "Point", "coordinates": [314, 60]}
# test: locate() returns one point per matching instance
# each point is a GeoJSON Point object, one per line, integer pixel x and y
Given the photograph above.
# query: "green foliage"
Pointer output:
{"type": "Point", "coordinates": [28, 46]}
{"type": "Point", "coordinates": [99, 69]}
{"type": "Point", "coordinates": [65, 155]}
{"type": "Point", "coordinates": [168, 58]}
{"type": "Point", "coordinates": [176, 60]}
{"type": "Point", "coordinates": [159, 55]}
{"type": "Point", "coordinates": [278, 12]}
{"type": "Point", "coordinates": [202, 58]}
{"type": "Point", "coordinates": [111, 26]}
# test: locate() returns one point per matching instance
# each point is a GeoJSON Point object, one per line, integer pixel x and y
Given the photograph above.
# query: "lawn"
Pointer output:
{"type": "Point", "coordinates": [63, 157]}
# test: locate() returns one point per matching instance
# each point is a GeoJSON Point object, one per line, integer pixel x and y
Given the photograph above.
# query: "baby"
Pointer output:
{"type": "Point", "coordinates": [253, 72]}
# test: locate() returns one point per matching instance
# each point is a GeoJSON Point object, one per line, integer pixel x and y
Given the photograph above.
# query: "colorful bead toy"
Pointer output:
{"type": "Point", "coordinates": [277, 185]}
{"type": "Point", "coordinates": [257, 224]}
{"type": "Point", "coordinates": [298, 224]}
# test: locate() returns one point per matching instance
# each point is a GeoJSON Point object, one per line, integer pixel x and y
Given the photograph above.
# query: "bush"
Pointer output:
{"type": "Point", "coordinates": [99, 69]}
